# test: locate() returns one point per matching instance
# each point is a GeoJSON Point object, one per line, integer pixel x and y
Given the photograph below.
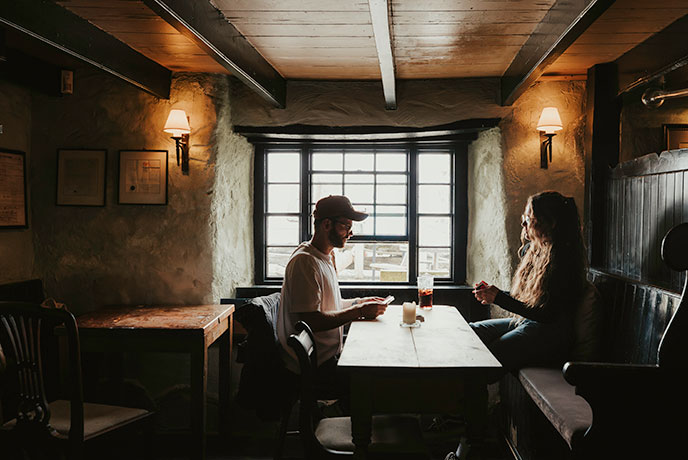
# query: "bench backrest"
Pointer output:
{"type": "Point", "coordinates": [635, 319]}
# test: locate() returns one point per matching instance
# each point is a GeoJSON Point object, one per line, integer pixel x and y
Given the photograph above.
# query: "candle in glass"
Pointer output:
{"type": "Point", "coordinates": [409, 312]}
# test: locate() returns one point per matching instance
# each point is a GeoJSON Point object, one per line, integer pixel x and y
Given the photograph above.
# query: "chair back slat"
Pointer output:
{"type": "Point", "coordinates": [306, 351]}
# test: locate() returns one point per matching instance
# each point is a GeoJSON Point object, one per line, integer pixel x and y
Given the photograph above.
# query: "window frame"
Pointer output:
{"type": "Point", "coordinates": [459, 202]}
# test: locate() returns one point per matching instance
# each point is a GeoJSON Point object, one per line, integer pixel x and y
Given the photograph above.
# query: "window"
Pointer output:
{"type": "Point", "coordinates": [415, 196]}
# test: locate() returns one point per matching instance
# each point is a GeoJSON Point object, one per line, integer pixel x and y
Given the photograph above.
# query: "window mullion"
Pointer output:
{"type": "Point", "coordinates": [305, 221]}
{"type": "Point", "coordinates": [412, 217]}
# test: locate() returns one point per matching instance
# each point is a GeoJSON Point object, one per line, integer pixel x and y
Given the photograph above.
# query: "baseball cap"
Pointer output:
{"type": "Point", "coordinates": [335, 206]}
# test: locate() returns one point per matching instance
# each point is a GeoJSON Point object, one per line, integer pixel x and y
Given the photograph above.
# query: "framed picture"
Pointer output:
{"type": "Point", "coordinates": [81, 177]}
{"type": "Point", "coordinates": [675, 137]}
{"type": "Point", "coordinates": [143, 177]}
{"type": "Point", "coordinates": [13, 206]}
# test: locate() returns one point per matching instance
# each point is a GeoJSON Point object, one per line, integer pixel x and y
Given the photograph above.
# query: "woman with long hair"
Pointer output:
{"type": "Point", "coordinates": [546, 288]}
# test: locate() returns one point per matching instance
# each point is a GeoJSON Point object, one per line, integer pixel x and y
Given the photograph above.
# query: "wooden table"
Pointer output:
{"type": "Point", "coordinates": [414, 370]}
{"type": "Point", "coordinates": [183, 329]}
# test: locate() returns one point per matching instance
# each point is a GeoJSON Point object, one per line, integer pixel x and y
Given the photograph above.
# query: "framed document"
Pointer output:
{"type": "Point", "coordinates": [675, 137]}
{"type": "Point", "coordinates": [13, 208]}
{"type": "Point", "coordinates": [81, 177]}
{"type": "Point", "coordinates": [143, 177]}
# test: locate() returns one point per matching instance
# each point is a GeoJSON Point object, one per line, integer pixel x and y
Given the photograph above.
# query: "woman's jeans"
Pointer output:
{"type": "Point", "coordinates": [528, 343]}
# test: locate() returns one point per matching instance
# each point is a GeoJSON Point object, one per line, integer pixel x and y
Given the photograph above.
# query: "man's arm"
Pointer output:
{"type": "Point", "coordinates": [323, 321]}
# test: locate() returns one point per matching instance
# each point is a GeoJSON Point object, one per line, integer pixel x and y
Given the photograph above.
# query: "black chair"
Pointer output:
{"type": "Point", "coordinates": [40, 426]}
{"type": "Point", "coordinates": [393, 436]}
{"type": "Point", "coordinates": [265, 385]}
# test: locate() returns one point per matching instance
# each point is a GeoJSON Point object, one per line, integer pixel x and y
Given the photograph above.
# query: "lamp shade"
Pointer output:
{"type": "Point", "coordinates": [177, 123]}
{"type": "Point", "coordinates": [549, 120]}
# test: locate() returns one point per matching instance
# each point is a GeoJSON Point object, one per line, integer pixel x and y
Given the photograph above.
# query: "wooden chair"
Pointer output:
{"type": "Point", "coordinates": [40, 425]}
{"type": "Point", "coordinates": [393, 436]}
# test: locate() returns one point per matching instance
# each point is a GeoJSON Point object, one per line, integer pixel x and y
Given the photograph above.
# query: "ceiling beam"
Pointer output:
{"type": "Point", "coordinates": [379, 14]}
{"type": "Point", "coordinates": [561, 26]}
{"type": "Point", "coordinates": [208, 28]}
{"type": "Point", "coordinates": [658, 56]}
{"type": "Point", "coordinates": [48, 22]}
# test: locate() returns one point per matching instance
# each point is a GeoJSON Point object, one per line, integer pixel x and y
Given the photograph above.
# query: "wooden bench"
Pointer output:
{"type": "Point", "coordinates": [632, 405]}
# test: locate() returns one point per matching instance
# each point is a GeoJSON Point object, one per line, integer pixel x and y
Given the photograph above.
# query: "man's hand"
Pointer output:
{"type": "Point", "coordinates": [485, 294]}
{"type": "Point", "coordinates": [371, 307]}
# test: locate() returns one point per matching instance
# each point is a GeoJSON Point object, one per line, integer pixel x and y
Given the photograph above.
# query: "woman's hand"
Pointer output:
{"type": "Point", "coordinates": [486, 293]}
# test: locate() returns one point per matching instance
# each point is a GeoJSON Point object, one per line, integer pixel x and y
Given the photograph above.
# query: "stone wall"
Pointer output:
{"type": "Point", "coordinates": [504, 163]}
{"type": "Point", "coordinates": [641, 127]}
{"type": "Point", "coordinates": [16, 245]}
{"type": "Point", "coordinates": [142, 254]}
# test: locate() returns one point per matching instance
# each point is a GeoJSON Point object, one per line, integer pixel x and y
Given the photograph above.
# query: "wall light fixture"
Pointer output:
{"type": "Point", "coordinates": [178, 125]}
{"type": "Point", "coordinates": [549, 123]}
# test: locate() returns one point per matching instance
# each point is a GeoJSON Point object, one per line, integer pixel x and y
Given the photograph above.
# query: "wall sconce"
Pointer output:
{"type": "Point", "coordinates": [178, 125]}
{"type": "Point", "coordinates": [548, 124]}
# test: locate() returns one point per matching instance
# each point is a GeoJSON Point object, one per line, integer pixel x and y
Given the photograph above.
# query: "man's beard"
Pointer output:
{"type": "Point", "coordinates": [336, 239]}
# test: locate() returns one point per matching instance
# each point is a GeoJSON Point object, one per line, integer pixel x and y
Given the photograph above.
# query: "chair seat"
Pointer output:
{"type": "Point", "coordinates": [98, 418]}
{"type": "Point", "coordinates": [390, 433]}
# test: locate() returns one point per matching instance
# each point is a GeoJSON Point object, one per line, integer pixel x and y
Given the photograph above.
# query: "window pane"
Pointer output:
{"type": "Point", "coordinates": [323, 190]}
{"type": "Point", "coordinates": [359, 162]}
{"type": "Point", "coordinates": [277, 260]}
{"type": "Point", "coordinates": [434, 231]}
{"type": "Point", "coordinates": [391, 226]}
{"type": "Point", "coordinates": [283, 198]}
{"type": "Point", "coordinates": [390, 210]}
{"type": "Point", "coordinates": [370, 261]}
{"type": "Point", "coordinates": [434, 199]}
{"type": "Point", "coordinates": [365, 227]}
{"type": "Point", "coordinates": [391, 194]}
{"type": "Point", "coordinates": [436, 261]}
{"type": "Point", "coordinates": [284, 167]}
{"type": "Point", "coordinates": [391, 178]}
{"type": "Point", "coordinates": [326, 178]}
{"type": "Point", "coordinates": [359, 178]}
{"type": "Point", "coordinates": [391, 162]}
{"type": "Point", "coordinates": [326, 162]}
{"type": "Point", "coordinates": [283, 230]}
{"type": "Point", "coordinates": [434, 168]}
{"type": "Point", "coordinates": [359, 193]}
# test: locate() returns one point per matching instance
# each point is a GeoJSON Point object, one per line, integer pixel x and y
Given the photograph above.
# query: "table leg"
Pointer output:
{"type": "Point", "coordinates": [225, 361]}
{"type": "Point", "coordinates": [199, 388]}
{"type": "Point", "coordinates": [361, 413]}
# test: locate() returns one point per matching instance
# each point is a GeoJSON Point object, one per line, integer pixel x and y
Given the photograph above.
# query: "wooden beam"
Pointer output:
{"type": "Point", "coordinates": [460, 130]}
{"type": "Point", "coordinates": [379, 14]}
{"type": "Point", "coordinates": [208, 28]}
{"type": "Point", "coordinates": [48, 22]}
{"type": "Point", "coordinates": [601, 142]}
{"type": "Point", "coordinates": [561, 26]}
{"type": "Point", "coordinates": [661, 54]}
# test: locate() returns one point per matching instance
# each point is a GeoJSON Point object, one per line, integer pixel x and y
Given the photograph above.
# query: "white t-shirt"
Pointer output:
{"type": "Point", "coordinates": [310, 284]}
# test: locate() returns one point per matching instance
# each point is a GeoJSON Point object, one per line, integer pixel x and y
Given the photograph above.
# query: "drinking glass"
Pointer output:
{"type": "Point", "coordinates": [425, 286]}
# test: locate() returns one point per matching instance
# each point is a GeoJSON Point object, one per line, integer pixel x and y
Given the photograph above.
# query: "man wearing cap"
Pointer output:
{"type": "Point", "coordinates": [310, 291]}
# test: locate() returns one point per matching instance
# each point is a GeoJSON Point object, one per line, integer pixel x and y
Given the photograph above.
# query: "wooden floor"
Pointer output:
{"type": "Point", "coordinates": [254, 440]}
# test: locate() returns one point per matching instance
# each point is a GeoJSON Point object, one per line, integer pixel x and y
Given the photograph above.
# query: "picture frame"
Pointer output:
{"type": "Point", "coordinates": [13, 200]}
{"type": "Point", "coordinates": [81, 176]}
{"type": "Point", "coordinates": [143, 177]}
{"type": "Point", "coordinates": [675, 137]}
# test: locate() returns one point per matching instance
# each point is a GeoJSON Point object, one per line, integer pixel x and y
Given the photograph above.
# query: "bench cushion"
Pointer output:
{"type": "Point", "coordinates": [570, 414]}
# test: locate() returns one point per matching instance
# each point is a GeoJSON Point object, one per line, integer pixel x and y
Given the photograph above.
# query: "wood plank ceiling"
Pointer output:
{"type": "Point", "coordinates": [334, 39]}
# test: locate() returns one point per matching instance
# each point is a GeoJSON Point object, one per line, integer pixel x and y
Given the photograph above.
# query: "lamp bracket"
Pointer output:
{"type": "Point", "coordinates": [182, 148]}
{"type": "Point", "coordinates": [546, 150]}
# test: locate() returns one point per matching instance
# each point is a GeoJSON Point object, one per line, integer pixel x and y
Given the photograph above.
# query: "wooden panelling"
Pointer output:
{"type": "Point", "coordinates": [623, 26]}
{"type": "Point", "coordinates": [636, 316]}
{"type": "Point", "coordinates": [133, 23]}
{"type": "Point", "coordinates": [645, 198]}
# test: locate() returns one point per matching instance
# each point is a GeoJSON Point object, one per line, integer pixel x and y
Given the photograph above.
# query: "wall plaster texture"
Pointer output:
{"type": "Point", "coordinates": [641, 127]}
{"type": "Point", "coordinates": [141, 254]}
{"type": "Point", "coordinates": [488, 256]}
{"type": "Point", "coordinates": [16, 245]}
{"type": "Point", "coordinates": [504, 164]}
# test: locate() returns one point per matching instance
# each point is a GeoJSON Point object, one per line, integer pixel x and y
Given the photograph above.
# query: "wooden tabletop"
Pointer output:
{"type": "Point", "coordinates": [186, 317]}
{"type": "Point", "coordinates": [443, 341]}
